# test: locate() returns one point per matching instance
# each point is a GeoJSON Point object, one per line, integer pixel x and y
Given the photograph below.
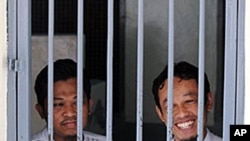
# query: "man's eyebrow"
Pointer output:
{"type": "Point", "coordinates": [58, 98]}
{"type": "Point", "coordinates": [187, 94]}
{"type": "Point", "coordinates": [190, 94]}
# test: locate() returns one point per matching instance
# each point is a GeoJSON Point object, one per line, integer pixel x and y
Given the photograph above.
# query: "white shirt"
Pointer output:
{"type": "Point", "coordinates": [211, 137]}
{"type": "Point", "coordinates": [88, 136]}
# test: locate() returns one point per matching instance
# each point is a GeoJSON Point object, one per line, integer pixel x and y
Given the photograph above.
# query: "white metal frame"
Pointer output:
{"type": "Point", "coordinates": [19, 60]}
{"type": "Point", "coordinates": [19, 15]}
{"type": "Point", "coordinates": [234, 80]}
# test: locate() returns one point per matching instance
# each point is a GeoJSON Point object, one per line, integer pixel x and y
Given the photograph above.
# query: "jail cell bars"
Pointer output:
{"type": "Point", "coordinates": [234, 69]}
{"type": "Point", "coordinates": [80, 65]}
{"type": "Point", "coordinates": [50, 69]}
{"type": "Point", "coordinates": [18, 69]}
{"type": "Point", "coordinates": [23, 42]}
{"type": "Point", "coordinates": [109, 118]}
{"type": "Point", "coordinates": [170, 70]}
{"type": "Point", "coordinates": [140, 49]}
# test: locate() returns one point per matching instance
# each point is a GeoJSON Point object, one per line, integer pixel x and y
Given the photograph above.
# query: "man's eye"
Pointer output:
{"type": "Point", "coordinates": [190, 101]}
{"type": "Point", "coordinates": [165, 107]}
{"type": "Point", "coordinates": [75, 103]}
{"type": "Point", "coordinates": [58, 104]}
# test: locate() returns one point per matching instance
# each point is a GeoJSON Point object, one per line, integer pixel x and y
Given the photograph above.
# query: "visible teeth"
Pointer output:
{"type": "Point", "coordinates": [185, 125]}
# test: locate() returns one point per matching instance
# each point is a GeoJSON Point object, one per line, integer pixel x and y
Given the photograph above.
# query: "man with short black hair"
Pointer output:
{"type": "Point", "coordinates": [65, 102]}
{"type": "Point", "coordinates": [185, 102]}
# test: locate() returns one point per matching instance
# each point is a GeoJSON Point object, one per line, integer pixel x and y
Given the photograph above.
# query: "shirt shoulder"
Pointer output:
{"type": "Point", "coordinates": [40, 135]}
{"type": "Point", "coordinates": [90, 136]}
{"type": "Point", "coordinates": [212, 137]}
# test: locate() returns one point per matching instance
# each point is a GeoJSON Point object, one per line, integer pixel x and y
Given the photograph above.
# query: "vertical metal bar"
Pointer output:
{"type": "Point", "coordinates": [24, 79]}
{"type": "Point", "coordinates": [12, 81]}
{"type": "Point", "coordinates": [240, 63]}
{"type": "Point", "coordinates": [170, 69]}
{"type": "Point", "coordinates": [247, 63]}
{"type": "Point", "coordinates": [139, 111]}
{"type": "Point", "coordinates": [109, 119]}
{"type": "Point", "coordinates": [79, 69]}
{"type": "Point", "coordinates": [50, 68]}
{"type": "Point", "coordinates": [201, 69]}
{"type": "Point", "coordinates": [230, 65]}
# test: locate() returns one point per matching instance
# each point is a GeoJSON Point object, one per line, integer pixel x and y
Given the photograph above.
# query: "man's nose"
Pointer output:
{"type": "Point", "coordinates": [181, 111]}
{"type": "Point", "coordinates": [69, 111]}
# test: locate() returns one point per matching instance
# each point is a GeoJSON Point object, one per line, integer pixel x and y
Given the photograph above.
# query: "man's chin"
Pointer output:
{"type": "Point", "coordinates": [70, 134]}
{"type": "Point", "coordinates": [194, 138]}
{"type": "Point", "coordinates": [71, 137]}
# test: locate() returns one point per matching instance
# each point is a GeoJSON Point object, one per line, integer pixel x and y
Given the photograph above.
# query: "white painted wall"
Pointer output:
{"type": "Point", "coordinates": [3, 70]}
{"type": "Point", "coordinates": [156, 42]}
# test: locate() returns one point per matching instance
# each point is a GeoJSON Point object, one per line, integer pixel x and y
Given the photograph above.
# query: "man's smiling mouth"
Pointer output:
{"type": "Point", "coordinates": [185, 125]}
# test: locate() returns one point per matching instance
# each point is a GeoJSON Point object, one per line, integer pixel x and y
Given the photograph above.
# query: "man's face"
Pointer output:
{"type": "Point", "coordinates": [185, 108]}
{"type": "Point", "coordinates": [65, 108]}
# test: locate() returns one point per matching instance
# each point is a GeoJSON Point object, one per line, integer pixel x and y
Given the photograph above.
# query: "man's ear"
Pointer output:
{"type": "Point", "coordinates": [159, 113]}
{"type": "Point", "coordinates": [91, 102]}
{"type": "Point", "coordinates": [210, 100]}
{"type": "Point", "coordinates": [40, 110]}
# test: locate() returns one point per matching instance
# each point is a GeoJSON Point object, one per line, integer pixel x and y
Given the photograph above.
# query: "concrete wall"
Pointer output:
{"type": "Point", "coordinates": [3, 70]}
{"type": "Point", "coordinates": [156, 42]}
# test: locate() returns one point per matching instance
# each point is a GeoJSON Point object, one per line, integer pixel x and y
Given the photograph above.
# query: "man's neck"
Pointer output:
{"type": "Point", "coordinates": [196, 137]}
{"type": "Point", "coordinates": [67, 138]}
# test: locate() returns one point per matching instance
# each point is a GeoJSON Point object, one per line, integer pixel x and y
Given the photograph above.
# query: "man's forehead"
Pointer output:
{"type": "Point", "coordinates": [178, 79]}
{"type": "Point", "coordinates": [189, 94]}
{"type": "Point", "coordinates": [61, 97]}
{"type": "Point", "coordinates": [64, 97]}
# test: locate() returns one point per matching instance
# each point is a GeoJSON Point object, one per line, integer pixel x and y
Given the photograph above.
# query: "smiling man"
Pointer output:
{"type": "Point", "coordinates": [65, 102]}
{"type": "Point", "coordinates": [185, 102]}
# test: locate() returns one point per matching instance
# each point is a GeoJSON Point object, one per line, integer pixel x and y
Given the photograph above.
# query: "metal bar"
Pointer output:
{"type": "Point", "coordinates": [139, 111]}
{"type": "Point", "coordinates": [12, 81]}
{"type": "Point", "coordinates": [80, 62]}
{"type": "Point", "coordinates": [240, 95]}
{"type": "Point", "coordinates": [201, 69]}
{"type": "Point", "coordinates": [24, 79]}
{"type": "Point", "coordinates": [50, 68]}
{"type": "Point", "coordinates": [109, 119]}
{"type": "Point", "coordinates": [247, 63]}
{"type": "Point", "coordinates": [230, 65]}
{"type": "Point", "coordinates": [170, 70]}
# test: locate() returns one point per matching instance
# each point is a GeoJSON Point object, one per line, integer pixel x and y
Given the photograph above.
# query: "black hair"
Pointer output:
{"type": "Point", "coordinates": [64, 69]}
{"type": "Point", "coordinates": [182, 70]}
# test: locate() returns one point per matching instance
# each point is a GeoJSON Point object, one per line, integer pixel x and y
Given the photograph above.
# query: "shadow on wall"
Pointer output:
{"type": "Point", "coordinates": [97, 118]}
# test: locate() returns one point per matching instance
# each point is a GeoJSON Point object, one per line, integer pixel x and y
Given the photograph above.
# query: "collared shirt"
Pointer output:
{"type": "Point", "coordinates": [211, 137]}
{"type": "Point", "coordinates": [88, 136]}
